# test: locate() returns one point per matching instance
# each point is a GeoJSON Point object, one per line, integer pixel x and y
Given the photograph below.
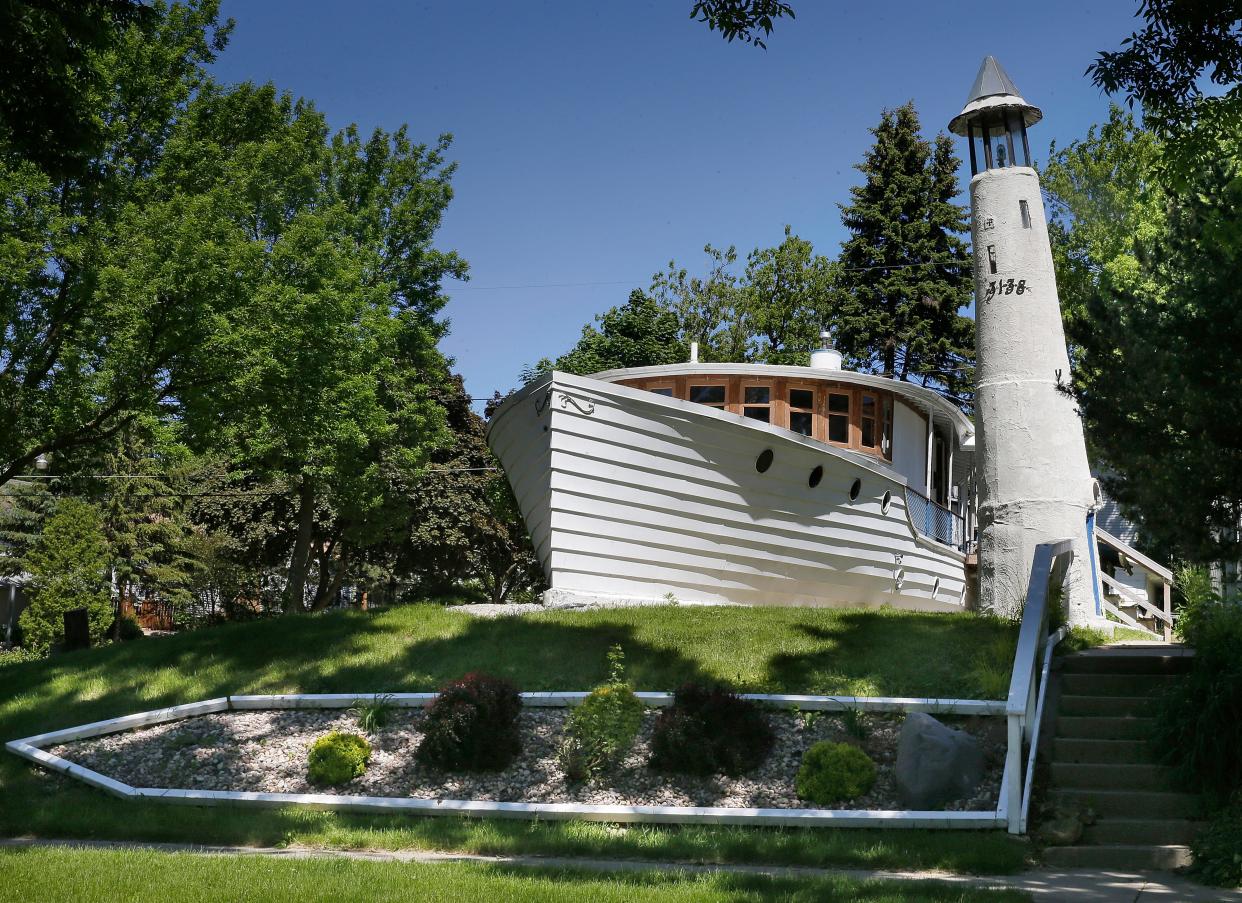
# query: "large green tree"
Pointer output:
{"type": "Point", "coordinates": [785, 301]}
{"type": "Point", "coordinates": [708, 307]}
{"type": "Point", "coordinates": [53, 70]}
{"type": "Point", "coordinates": [81, 356]}
{"type": "Point", "coordinates": [323, 246]}
{"type": "Point", "coordinates": [904, 273]}
{"type": "Point", "coordinates": [466, 530]}
{"type": "Point", "coordinates": [639, 333]}
{"type": "Point", "coordinates": [1165, 66]}
{"type": "Point", "coordinates": [1151, 270]}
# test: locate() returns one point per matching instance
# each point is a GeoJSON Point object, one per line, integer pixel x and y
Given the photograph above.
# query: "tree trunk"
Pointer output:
{"type": "Point", "coordinates": [300, 562]}
{"type": "Point", "coordinates": [322, 551]}
{"type": "Point", "coordinates": [328, 594]}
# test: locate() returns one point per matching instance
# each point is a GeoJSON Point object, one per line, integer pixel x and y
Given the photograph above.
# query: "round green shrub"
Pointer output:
{"type": "Point", "coordinates": [126, 628]}
{"type": "Point", "coordinates": [337, 758]}
{"type": "Point", "coordinates": [834, 771]}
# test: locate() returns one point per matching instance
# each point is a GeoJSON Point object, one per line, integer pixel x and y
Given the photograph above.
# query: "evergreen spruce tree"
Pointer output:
{"type": "Point", "coordinates": [905, 271]}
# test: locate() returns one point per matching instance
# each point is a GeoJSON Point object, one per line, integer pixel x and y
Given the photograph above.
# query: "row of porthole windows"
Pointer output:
{"type": "Point", "coordinates": [764, 461]}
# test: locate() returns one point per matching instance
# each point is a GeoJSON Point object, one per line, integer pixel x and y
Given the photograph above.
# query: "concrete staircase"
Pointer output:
{"type": "Point", "coordinates": [1101, 761]}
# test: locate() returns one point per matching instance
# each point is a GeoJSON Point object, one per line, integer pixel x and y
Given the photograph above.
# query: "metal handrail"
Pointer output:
{"type": "Point", "coordinates": [1024, 706]}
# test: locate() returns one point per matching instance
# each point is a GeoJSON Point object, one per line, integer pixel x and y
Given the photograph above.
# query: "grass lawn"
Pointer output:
{"type": "Point", "coordinates": [104, 876]}
{"type": "Point", "coordinates": [416, 648]}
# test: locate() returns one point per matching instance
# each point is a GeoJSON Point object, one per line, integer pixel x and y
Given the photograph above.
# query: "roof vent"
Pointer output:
{"type": "Point", "coordinates": [826, 357]}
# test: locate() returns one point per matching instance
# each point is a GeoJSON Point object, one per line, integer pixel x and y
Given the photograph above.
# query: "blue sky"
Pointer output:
{"type": "Point", "coordinates": [598, 140]}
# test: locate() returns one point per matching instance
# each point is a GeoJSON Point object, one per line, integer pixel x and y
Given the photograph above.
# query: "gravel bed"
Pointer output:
{"type": "Point", "coordinates": [266, 751]}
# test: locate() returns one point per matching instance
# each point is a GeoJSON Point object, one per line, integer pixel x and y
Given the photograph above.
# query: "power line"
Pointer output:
{"type": "Point", "coordinates": [890, 266]}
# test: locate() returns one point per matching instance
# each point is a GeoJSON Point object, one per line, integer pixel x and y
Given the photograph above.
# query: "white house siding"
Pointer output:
{"type": "Point", "coordinates": [650, 496]}
{"type": "Point", "coordinates": [910, 446]}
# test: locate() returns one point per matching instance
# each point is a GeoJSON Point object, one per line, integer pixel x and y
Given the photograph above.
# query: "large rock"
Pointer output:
{"type": "Point", "coordinates": [935, 764]}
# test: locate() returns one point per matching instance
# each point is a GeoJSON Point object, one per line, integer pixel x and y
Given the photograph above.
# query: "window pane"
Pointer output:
{"type": "Point", "coordinates": [839, 403]}
{"type": "Point", "coordinates": [838, 428]}
{"type": "Point", "coordinates": [707, 394]}
{"type": "Point", "coordinates": [868, 433]}
{"type": "Point", "coordinates": [801, 398]}
{"type": "Point", "coordinates": [801, 421]}
{"type": "Point", "coordinates": [763, 414]}
{"type": "Point", "coordinates": [868, 405]}
{"type": "Point", "coordinates": [758, 394]}
{"type": "Point", "coordinates": [666, 392]}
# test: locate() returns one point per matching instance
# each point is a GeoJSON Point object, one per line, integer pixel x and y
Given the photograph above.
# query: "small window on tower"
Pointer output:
{"type": "Point", "coordinates": [992, 258]}
{"type": "Point", "coordinates": [1026, 214]}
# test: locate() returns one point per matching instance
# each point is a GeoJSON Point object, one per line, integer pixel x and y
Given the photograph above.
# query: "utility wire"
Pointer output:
{"type": "Point", "coordinates": [494, 288]}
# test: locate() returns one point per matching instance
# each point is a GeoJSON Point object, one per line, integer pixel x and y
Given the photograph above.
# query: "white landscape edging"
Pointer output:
{"type": "Point", "coordinates": [30, 748]}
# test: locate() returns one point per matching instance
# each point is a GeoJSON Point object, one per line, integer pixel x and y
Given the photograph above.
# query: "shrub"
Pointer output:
{"type": "Point", "coordinates": [472, 725]}
{"type": "Point", "coordinates": [834, 771]}
{"type": "Point", "coordinates": [373, 715]}
{"type": "Point", "coordinates": [603, 728]}
{"type": "Point", "coordinates": [1218, 848]}
{"type": "Point", "coordinates": [1198, 600]}
{"type": "Point", "coordinates": [1199, 722]}
{"type": "Point", "coordinates": [68, 569]}
{"type": "Point", "coordinates": [337, 758]}
{"type": "Point", "coordinates": [710, 731]}
{"type": "Point", "coordinates": [126, 628]}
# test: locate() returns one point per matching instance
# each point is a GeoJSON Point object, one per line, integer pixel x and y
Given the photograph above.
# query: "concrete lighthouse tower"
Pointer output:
{"type": "Point", "coordinates": [1035, 484]}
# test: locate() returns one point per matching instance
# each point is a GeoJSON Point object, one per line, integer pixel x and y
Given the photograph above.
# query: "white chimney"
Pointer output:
{"type": "Point", "coordinates": [694, 352]}
{"type": "Point", "coordinates": [826, 357]}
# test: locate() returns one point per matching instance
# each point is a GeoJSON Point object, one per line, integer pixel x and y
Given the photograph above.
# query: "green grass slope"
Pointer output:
{"type": "Point", "coordinates": [415, 648]}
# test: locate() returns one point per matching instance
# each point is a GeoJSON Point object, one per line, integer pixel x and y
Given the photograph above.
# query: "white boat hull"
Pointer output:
{"type": "Point", "coordinates": [632, 497]}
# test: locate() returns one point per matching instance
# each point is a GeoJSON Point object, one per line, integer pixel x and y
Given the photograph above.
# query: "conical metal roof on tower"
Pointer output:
{"type": "Point", "coordinates": [993, 89]}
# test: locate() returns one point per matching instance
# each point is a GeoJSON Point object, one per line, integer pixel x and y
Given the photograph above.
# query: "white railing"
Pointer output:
{"type": "Point", "coordinates": [1132, 597]}
{"type": "Point", "coordinates": [1025, 706]}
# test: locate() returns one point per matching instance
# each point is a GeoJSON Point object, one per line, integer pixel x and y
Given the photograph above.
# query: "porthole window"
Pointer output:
{"type": "Point", "coordinates": [816, 475]}
{"type": "Point", "coordinates": [855, 489]}
{"type": "Point", "coordinates": [764, 461]}
{"type": "Point", "coordinates": [885, 502]}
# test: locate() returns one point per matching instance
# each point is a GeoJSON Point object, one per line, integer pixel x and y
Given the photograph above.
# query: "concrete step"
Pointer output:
{"type": "Point", "coordinates": [1111, 776]}
{"type": "Point", "coordinates": [1079, 684]}
{"type": "Point", "coordinates": [1126, 752]}
{"type": "Point", "coordinates": [1154, 659]}
{"type": "Point", "coordinates": [1118, 856]}
{"type": "Point", "coordinates": [1141, 831]}
{"type": "Point", "coordinates": [1101, 727]}
{"type": "Point", "coordinates": [1129, 803]}
{"type": "Point", "coordinates": [1104, 705]}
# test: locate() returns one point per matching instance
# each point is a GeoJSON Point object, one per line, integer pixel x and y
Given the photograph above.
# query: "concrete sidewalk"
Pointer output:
{"type": "Point", "coordinates": [1042, 884]}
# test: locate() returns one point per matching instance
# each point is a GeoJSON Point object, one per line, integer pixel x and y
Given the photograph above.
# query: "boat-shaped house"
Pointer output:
{"type": "Point", "coordinates": [742, 483]}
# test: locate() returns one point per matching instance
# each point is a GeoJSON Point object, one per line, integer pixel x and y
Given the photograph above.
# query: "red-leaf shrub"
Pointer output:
{"type": "Point", "coordinates": [710, 730]}
{"type": "Point", "coordinates": [472, 725]}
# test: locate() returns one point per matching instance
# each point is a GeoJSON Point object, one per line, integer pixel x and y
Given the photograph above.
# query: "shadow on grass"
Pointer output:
{"type": "Point", "coordinates": [880, 653]}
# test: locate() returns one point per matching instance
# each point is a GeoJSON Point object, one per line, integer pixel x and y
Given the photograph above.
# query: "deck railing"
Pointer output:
{"type": "Point", "coordinates": [1025, 705]}
{"type": "Point", "coordinates": [935, 521]}
{"type": "Point", "coordinates": [1159, 616]}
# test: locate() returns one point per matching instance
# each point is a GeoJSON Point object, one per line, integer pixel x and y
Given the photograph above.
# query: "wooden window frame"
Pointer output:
{"type": "Point", "coordinates": [834, 389]}
{"type": "Point", "coordinates": [745, 383]}
{"type": "Point", "coordinates": [780, 408]}
{"type": "Point", "coordinates": [819, 421]}
{"type": "Point", "coordinates": [730, 387]}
